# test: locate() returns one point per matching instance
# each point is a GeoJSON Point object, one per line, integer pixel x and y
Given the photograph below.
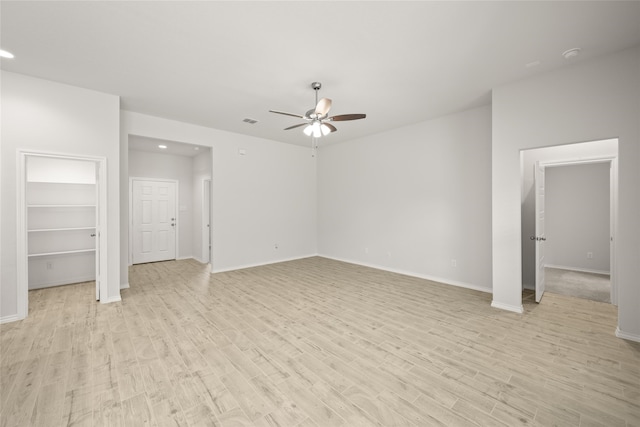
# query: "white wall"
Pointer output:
{"type": "Point", "coordinates": [412, 199]}
{"type": "Point", "coordinates": [587, 101]}
{"type": "Point", "coordinates": [560, 153]}
{"type": "Point", "coordinates": [265, 197]}
{"type": "Point", "coordinates": [577, 217]}
{"type": "Point", "coordinates": [143, 164]}
{"type": "Point", "coordinates": [51, 117]}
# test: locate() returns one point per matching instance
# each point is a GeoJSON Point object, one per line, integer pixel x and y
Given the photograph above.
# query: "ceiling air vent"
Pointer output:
{"type": "Point", "coordinates": [250, 121]}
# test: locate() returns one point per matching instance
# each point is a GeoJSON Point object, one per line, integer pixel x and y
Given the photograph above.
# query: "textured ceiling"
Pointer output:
{"type": "Point", "coordinates": [216, 63]}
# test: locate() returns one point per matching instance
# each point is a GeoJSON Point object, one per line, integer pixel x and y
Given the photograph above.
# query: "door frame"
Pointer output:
{"type": "Point", "coordinates": [206, 222]}
{"type": "Point", "coordinates": [539, 184]}
{"type": "Point", "coordinates": [177, 207]}
{"type": "Point", "coordinates": [613, 209]}
{"type": "Point", "coordinates": [22, 273]}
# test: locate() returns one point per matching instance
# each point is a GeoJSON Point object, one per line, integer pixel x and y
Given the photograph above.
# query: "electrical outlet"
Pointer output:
{"type": "Point", "coordinates": [389, 254]}
{"type": "Point", "coordinates": [590, 255]}
{"type": "Point", "coordinates": [276, 246]}
{"type": "Point", "coordinates": [366, 250]}
{"type": "Point", "coordinates": [454, 263]}
{"type": "Point", "coordinates": [49, 266]}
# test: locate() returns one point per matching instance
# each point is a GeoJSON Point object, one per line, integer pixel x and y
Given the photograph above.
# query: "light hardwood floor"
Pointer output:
{"type": "Point", "coordinates": [312, 342]}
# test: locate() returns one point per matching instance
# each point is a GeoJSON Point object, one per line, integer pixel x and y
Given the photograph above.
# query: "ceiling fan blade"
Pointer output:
{"type": "Point", "coordinates": [323, 107]}
{"type": "Point", "coordinates": [330, 126]}
{"type": "Point", "coordinates": [295, 126]}
{"type": "Point", "coordinates": [345, 117]}
{"type": "Point", "coordinates": [286, 114]}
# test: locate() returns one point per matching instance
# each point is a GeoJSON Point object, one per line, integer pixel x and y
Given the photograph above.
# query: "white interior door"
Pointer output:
{"type": "Point", "coordinates": [154, 220]}
{"type": "Point", "coordinates": [540, 237]}
{"type": "Point", "coordinates": [206, 220]}
{"type": "Point", "coordinates": [96, 232]}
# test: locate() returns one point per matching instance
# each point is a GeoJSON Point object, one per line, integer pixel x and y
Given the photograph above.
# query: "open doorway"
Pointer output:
{"type": "Point", "coordinates": [578, 203]}
{"type": "Point", "coordinates": [578, 229]}
{"type": "Point", "coordinates": [62, 207]}
{"type": "Point", "coordinates": [177, 169]}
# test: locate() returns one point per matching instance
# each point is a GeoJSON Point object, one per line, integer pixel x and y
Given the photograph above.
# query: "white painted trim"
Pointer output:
{"type": "Point", "coordinates": [627, 336]}
{"type": "Point", "coordinates": [412, 274]}
{"type": "Point", "coordinates": [182, 258]}
{"type": "Point", "coordinates": [581, 270]}
{"type": "Point", "coordinates": [22, 274]}
{"type": "Point", "coordinates": [22, 264]}
{"type": "Point", "coordinates": [514, 308]}
{"type": "Point", "coordinates": [10, 318]}
{"type": "Point", "coordinates": [116, 298]}
{"type": "Point", "coordinates": [124, 285]}
{"type": "Point", "coordinates": [586, 160]}
{"type": "Point", "coordinates": [177, 213]}
{"type": "Point", "coordinates": [243, 266]}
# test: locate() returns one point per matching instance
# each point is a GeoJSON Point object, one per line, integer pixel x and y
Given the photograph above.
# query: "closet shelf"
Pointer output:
{"type": "Point", "coordinates": [35, 230]}
{"type": "Point", "coordinates": [62, 252]}
{"type": "Point", "coordinates": [61, 206]}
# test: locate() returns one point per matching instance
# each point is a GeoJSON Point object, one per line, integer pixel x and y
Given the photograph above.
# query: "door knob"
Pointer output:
{"type": "Point", "coordinates": [93, 235]}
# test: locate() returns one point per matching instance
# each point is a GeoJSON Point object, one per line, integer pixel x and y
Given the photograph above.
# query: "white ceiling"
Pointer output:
{"type": "Point", "coordinates": [216, 63]}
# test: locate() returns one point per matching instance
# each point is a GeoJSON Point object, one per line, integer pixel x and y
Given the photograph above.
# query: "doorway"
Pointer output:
{"type": "Point", "coordinates": [189, 167]}
{"type": "Point", "coordinates": [580, 250]}
{"type": "Point", "coordinates": [579, 229]}
{"type": "Point", "coordinates": [62, 205]}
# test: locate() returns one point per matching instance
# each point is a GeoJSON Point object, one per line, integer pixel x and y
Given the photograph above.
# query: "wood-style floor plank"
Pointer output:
{"type": "Point", "coordinates": [312, 342]}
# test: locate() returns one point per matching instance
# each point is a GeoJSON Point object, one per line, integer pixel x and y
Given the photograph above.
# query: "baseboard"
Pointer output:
{"type": "Point", "coordinates": [581, 270]}
{"type": "Point", "coordinates": [71, 281]}
{"type": "Point", "coordinates": [10, 318]}
{"type": "Point", "coordinates": [116, 298]}
{"type": "Point", "coordinates": [528, 286]}
{"type": "Point", "coordinates": [413, 274]}
{"type": "Point", "coordinates": [124, 285]}
{"type": "Point", "coordinates": [514, 308]}
{"type": "Point", "coordinates": [243, 266]}
{"type": "Point", "coordinates": [627, 336]}
{"type": "Point", "coordinates": [183, 258]}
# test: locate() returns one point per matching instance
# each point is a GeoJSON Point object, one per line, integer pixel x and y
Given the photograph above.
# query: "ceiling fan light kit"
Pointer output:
{"type": "Point", "coordinates": [316, 119]}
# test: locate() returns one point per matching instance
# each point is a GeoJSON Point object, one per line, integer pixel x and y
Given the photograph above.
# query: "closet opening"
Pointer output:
{"type": "Point", "coordinates": [62, 207]}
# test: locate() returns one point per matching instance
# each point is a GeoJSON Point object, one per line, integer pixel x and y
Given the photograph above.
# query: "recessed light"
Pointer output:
{"type": "Point", "coordinates": [196, 148]}
{"type": "Point", "coordinates": [162, 147]}
{"type": "Point", "coordinates": [6, 54]}
{"type": "Point", "coordinates": [571, 53]}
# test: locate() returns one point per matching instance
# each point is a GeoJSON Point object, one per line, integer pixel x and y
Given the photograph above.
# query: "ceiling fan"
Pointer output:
{"type": "Point", "coordinates": [317, 120]}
